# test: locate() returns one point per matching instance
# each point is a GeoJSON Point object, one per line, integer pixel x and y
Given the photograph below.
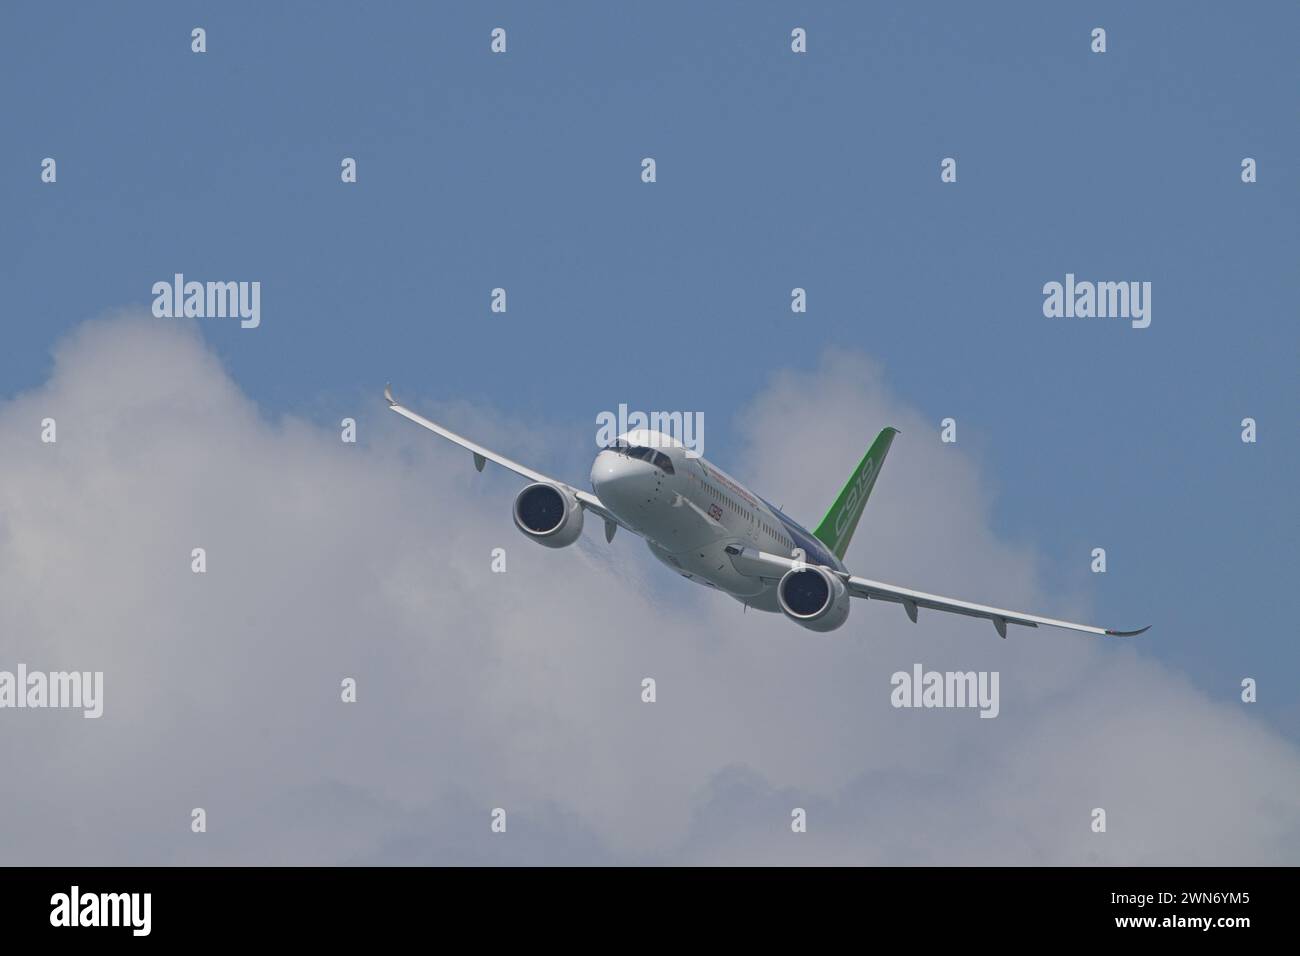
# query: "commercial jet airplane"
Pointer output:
{"type": "Point", "coordinates": [711, 529]}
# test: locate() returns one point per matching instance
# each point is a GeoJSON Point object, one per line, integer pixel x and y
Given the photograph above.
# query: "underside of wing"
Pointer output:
{"type": "Point", "coordinates": [588, 500]}
{"type": "Point", "coordinates": [1001, 617]}
{"type": "Point", "coordinates": [770, 567]}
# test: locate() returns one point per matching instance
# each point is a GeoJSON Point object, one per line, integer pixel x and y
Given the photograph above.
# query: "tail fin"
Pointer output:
{"type": "Point", "coordinates": [841, 520]}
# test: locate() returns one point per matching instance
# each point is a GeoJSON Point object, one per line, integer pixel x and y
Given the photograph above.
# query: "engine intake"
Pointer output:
{"type": "Point", "coordinates": [813, 598]}
{"type": "Point", "coordinates": [549, 515]}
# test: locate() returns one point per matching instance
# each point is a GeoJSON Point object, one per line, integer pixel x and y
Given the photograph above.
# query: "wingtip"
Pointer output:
{"type": "Point", "coordinates": [1140, 630]}
{"type": "Point", "coordinates": [388, 393]}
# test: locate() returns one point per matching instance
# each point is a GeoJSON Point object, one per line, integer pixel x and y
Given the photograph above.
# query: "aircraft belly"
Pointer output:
{"type": "Point", "coordinates": [668, 520]}
{"type": "Point", "coordinates": [680, 530]}
{"type": "Point", "coordinates": [765, 600]}
{"type": "Point", "coordinates": [681, 535]}
{"type": "Point", "coordinates": [709, 564]}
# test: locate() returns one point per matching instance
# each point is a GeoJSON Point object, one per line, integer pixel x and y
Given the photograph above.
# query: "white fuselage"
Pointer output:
{"type": "Point", "coordinates": [689, 511]}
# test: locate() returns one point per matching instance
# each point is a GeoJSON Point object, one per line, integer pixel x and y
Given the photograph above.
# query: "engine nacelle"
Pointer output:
{"type": "Point", "coordinates": [813, 598]}
{"type": "Point", "coordinates": [549, 515]}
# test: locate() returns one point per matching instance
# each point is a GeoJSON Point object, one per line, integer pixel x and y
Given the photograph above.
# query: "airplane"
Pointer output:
{"type": "Point", "coordinates": [711, 529]}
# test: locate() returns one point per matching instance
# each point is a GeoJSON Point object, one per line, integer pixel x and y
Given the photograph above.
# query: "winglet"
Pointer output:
{"type": "Point", "coordinates": [1140, 630]}
{"type": "Point", "coordinates": [388, 394]}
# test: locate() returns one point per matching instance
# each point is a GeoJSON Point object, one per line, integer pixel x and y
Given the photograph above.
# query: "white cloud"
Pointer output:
{"type": "Point", "coordinates": [521, 690]}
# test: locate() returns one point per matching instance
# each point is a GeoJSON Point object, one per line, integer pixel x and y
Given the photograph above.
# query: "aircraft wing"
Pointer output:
{"type": "Point", "coordinates": [761, 564]}
{"type": "Point", "coordinates": [911, 600]}
{"type": "Point", "coordinates": [589, 501]}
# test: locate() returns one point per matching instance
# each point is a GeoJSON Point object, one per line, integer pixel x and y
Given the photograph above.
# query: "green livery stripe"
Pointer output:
{"type": "Point", "coordinates": [836, 529]}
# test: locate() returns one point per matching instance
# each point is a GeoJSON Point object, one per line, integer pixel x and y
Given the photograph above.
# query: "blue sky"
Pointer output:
{"type": "Point", "coordinates": [774, 171]}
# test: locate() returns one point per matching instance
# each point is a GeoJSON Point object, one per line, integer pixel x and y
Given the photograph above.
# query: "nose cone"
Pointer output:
{"type": "Point", "coordinates": [619, 481]}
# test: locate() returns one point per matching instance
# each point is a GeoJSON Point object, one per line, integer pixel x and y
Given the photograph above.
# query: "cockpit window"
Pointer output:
{"type": "Point", "coordinates": [656, 458]}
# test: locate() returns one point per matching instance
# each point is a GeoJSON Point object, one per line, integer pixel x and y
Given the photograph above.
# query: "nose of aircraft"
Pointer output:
{"type": "Point", "coordinates": [620, 481]}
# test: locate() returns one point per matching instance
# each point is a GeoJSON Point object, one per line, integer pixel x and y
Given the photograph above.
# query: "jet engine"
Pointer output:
{"type": "Point", "coordinates": [549, 515]}
{"type": "Point", "coordinates": [814, 598]}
